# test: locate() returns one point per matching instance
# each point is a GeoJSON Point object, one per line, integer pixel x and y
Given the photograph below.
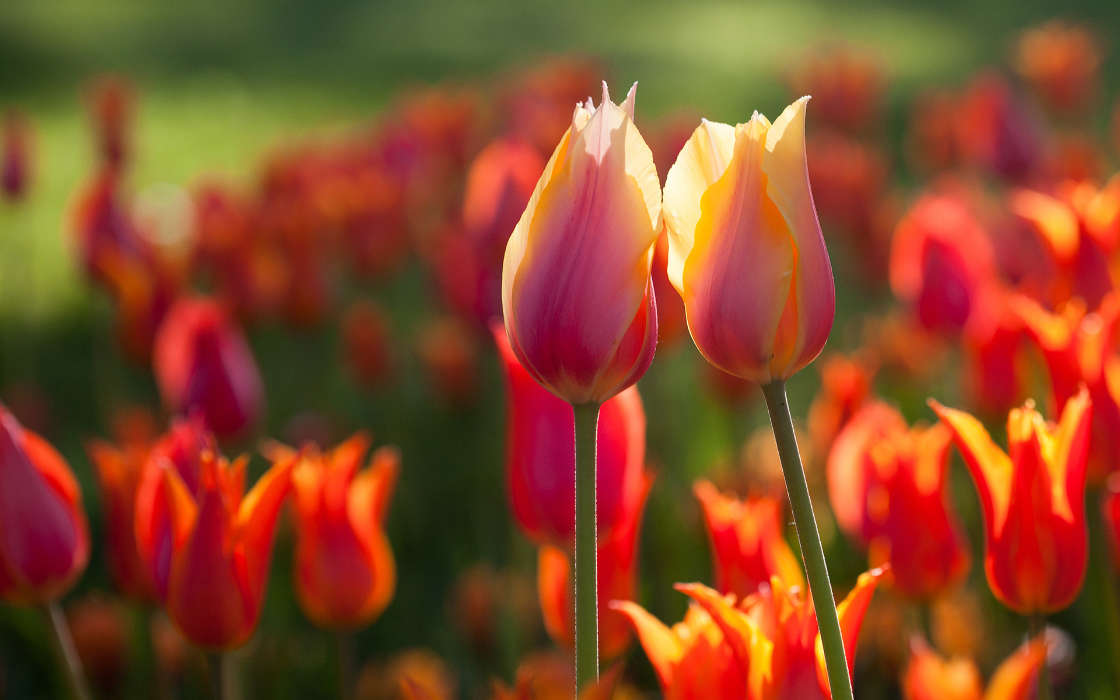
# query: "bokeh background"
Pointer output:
{"type": "Point", "coordinates": [221, 87]}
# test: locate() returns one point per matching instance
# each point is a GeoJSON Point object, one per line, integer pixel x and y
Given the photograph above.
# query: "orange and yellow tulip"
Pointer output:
{"type": "Point", "coordinates": [886, 482]}
{"type": "Point", "coordinates": [1033, 501]}
{"type": "Point", "coordinates": [44, 537]}
{"type": "Point", "coordinates": [928, 676]}
{"type": "Point", "coordinates": [345, 574]}
{"type": "Point", "coordinates": [576, 291]}
{"type": "Point", "coordinates": [738, 201]}
{"type": "Point", "coordinates": [762, 647]}
{"type": "Point", "coordinates": [747, 543]}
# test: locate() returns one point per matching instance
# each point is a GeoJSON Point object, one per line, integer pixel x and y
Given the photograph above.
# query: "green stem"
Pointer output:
{"type": "Point", "coordinates": [221, 676]}
{"type": "Point", "coordinates": [585, 572]}
{"type": "Point", "coordinates": [345, 664]}
{"type": "Point", "coordinates": [1038, 628]}
{"type": "Point", "coordinates": [64, 644]}
{"type": "Point", "coordinates": [816, 568]}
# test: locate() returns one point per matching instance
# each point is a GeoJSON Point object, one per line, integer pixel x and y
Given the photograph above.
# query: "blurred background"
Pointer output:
{"type": "Point", "coordinates": [218, 104]}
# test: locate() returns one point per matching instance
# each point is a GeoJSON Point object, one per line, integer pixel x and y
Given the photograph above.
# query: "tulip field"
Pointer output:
{"type": "Point", "coordinates": [426, 351]}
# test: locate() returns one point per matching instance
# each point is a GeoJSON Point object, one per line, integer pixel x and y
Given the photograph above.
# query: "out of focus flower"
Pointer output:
{"type": "Point", "coordinates": [1060, 61]}
{"type": "Point", "coordinates": [15, 157]}
{"type": "Point", "coordinates": [995, 373]}
{"type": "Point", "coordinates": [958, 623]}
{"type": "Point", "coordinates": [903, 347]}
{"type": "Point", "coordinates": [498, 186]}
{"type": "Point", "coordinates": [44, 537]}
{"type": "Point", "coordinates": [1079, 349]}
{"type": "Point", "coordinates": [845, 387]}
{"type": "Point", "coordinates": [537, 105]}
{"type": "Point", "coordinates": [940, 258]}
{"type": "Point", "coordinates": [668, 137]}
{"type": "Point", "coordinates": [576, 291]}
{"type": "Point", "coordinates": [474, 604]}
{"type": "Point", "coordinates": [414, 674]}
{"type": "Point", "coordinates": [737, 199]}
{"type": "Point", "coordinates": [549, 676]}
{"type": "Point", "coordinates": [846, 84]}
{"type": "Point", "coordinates": [887, 486]}
{"type": "Point", "coordinates": [541, 451]}
{"type": "Point", "coordinates": [771, 636]}
{"type": "Point", "coordinates": [1110, 508]}
{"type": "Point", "coordinates": [367, 342]}
{"type": "Point", "coordinates": [748, 546]}
{"type": "Point", "coordinates": [111, 104]}
{"type": "Point", "coordinates": [202, 363]}
{"type": "Point", "coordinates": [119, 469]}
{"type": "Point", "coordinates": [995, 130]}
{"type": "Point", "coordinates": [345, 574]}
{"type": "Point", "coordinates": [1033, 502]}
{"type": "Point", "coordinates": [929, 676]}
{"type": "Point", "coordinates": [932, 134]}
{"type": "Point", "coordinates": [221, 545]}
{"type": "Point", "coordinates": [617, 580]}
{"type": "Point", "coordinates": [849, 179]}
{"type": "Point", "coordinates": [448, 350]}
{"type": "Point", "coordinates": [1075, 156]}
{"type": "Point", "coordinates": [100, 630]}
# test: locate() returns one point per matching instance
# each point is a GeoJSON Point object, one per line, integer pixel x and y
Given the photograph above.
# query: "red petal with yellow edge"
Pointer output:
{"type": "Point", "coordinates": [256, 524]}
{"type": "Point", "coordinates": [1016, 678]}
{"type": "Point", "coordinates": [990, 466]}
{"type": "Point", "coordinates": [746, 640]}
{"type": "Point", "coordinates": [664, 648]}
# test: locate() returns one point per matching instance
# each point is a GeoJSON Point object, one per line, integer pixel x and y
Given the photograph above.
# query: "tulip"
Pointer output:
{"type": "Point", "coordinates": [111, 106]}
{"type": "Point", "coordinates": [617, 580]}
{"type": "Point", "coordinates": [44, 537]}
{"type": "Point", "coordinates": [448, 351]}
{"type": "Point", "coordinates": [540, 452]}
{"type": "Point", "coordinates": [845, 387]}
{"type": "Point", "coordinates": [848, 85]}
{"type": "Point", "coordinates": [763, 646]}
{"type": "Point", "coordinates": [15, 157]}
{"type": "Point", "coordinates": [221, 544]}
{"type": "Point", "coordinates": [995, 131]}
{"type": "Point", "coordinates": [887, 486]}
{"type": "Point", "coordinates": [1078, 348]}
{"type": "Point", "coordinates": [1061, 62]}
{"type": "Point", "coordinates": [746, 539]}
{"type": "Point", "coordinates": [119, 470]}
{"type": "Point", "coordinates": [576, 292]}
{"type": "Point", "coordinates": [367, 342]}
{"type": "Point", "coordinates": [941, 258]}
{"type": "Point", "coordinates": [928, 676]}
{"type": "Point", "coordinates": [737, 200]}
{"type": "Point", "coordinates": [1033, 502]}
{"type": "Point", "coordinates": [995, 371]}
{"type": "Point", "coordinates": [345, 572]}
{"type": "Point", "coordinates": [548, 676]}
{"type": "Point", "coordinates": [202, 363]}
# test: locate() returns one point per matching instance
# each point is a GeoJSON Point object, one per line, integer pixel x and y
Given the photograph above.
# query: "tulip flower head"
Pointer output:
{"type": "Point", "coordinates": [763, 646]}
{"type": "Point", "coordinates": [887, 486]}
{"type": "Point", "coordinates": [746, 251]}
{"type": "Point", "coordinates": [1033, 500]}
{"type": "Point", "coordinates": [345, 574]}
{"type": "Point", "coordinates": [928, 676]}
{"type": "Point", "coordinates": [747, 543]}
{"type": "Point", "coordinates": [541, 450]}
{"type": "Point", "coordinates": [577, 296]}
{"type": "Point", "coordinates": [119, 470]}
{"type": "Point", "coordinates": [44, 537]}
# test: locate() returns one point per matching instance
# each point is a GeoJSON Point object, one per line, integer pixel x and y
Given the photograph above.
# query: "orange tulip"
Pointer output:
{"type": "Point", "coordinates": [548, 676]}
{"type": "Point", "coordinates": [928, 676]}
{"type": "Point", "coordinates": [764, 646]}
{"type": "Point", "coordinates": [1079, 349]}
{"type": "Point", "coordinates": [221, 545]}
{"type": "Point", "coordinates": [345, 574]}
{"type": "Point", "coordinates": [737, 200]}
{"type": "Point", "coordinates": [576, 291]}
{"type": "Point", "coordinates": [1061, 63]}
{"type": "Point", "coordinates": [44, 537]}
{"type": "Point", "coordinates": [1033, 502]}
{"type": "Point", "coordinates": [746, 539]}
{"type": "Point", "coordinates": [617, 579]}
{"type": "Point", "coordinates": [886, 482]}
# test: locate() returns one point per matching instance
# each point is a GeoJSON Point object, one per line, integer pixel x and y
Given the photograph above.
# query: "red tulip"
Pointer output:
{"type": "Point", "coordinates": [887, 486]}
{"type": "Point", "coordinates": [111, 108]}
{"type": "Point", "coordinates": [995, 131]}
{"type": "Point", "coordinates": [845, 387]}
{"type": "Point", "coordinates": [1033, 501]}
{"type": "Point", "coordinates": [748, 547]}
{"type": "Point", "coordinates": [202, 363]}
{"type": "Point", "coordinates": [1061, 63]}
{"type": "Point", "coordinates": [345, 572]}
{"type": "Point", "coordinates": [995, 372]}
{"type": "Point", "coordinates": [846, 85]}
{"type": "Point", "coordinates": [541, 452]}
{"type": "Point", "coordinates": [15, 157]}
{"type": "Point", "coordinates": [221, 544]}
{"type": "Point", "coordinates": [44, 537]}
{"type": "Point", "coordinates": [617, 580]}
{"type": "Point", "coordinates": [366, 341]}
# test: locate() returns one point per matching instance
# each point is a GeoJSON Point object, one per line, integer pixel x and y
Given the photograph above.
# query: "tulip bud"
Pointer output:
{"type": "Point", "coordinates": [577, 296]}
{"type": "Point", "coordinates": [44, 538]}
{"type": "Point", "coordinates": [344, 569]}
{"type": "Point", "coordinates": [541, 451]}
{"type": "Point", "coordinates": [1033, 501]}
{"type": "Point", "coordinates": [202, 363]}
{"type": "Point", "coordinates": [746, 252]}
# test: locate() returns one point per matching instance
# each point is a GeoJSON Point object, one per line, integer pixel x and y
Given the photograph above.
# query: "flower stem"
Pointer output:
{"type": "Point", "coordinates": [345, 641]}
{"type": "Point", "coordinates": [585, 572]}
{"type": "Point", "coordinates": [816, 568]}
{"type": "Point", "coordinates": [221, 676]}
{"type": "Point", "coordinates": [1038, 629]}
{"type": "Point", "coordinates": [64, 643]}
